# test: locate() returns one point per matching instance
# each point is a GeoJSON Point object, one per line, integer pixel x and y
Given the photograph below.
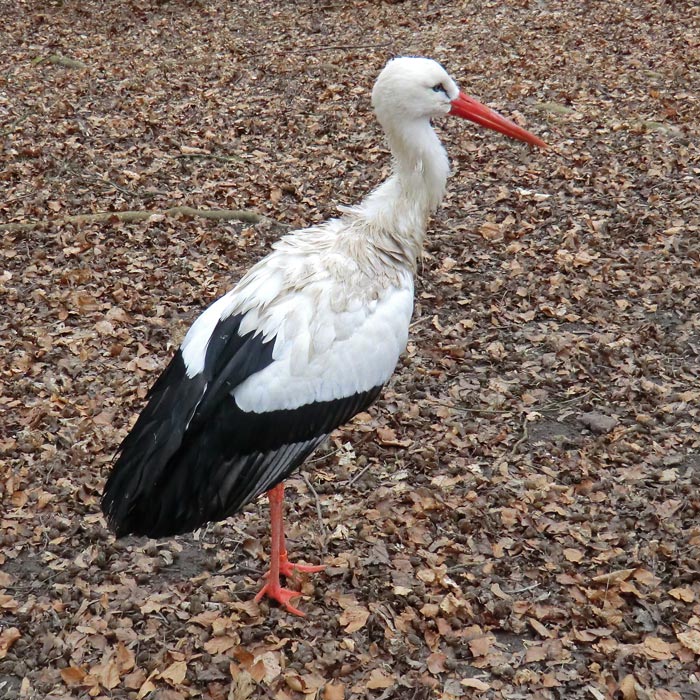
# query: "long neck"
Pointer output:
{"type": "Point", "coordinates": [396, 214]}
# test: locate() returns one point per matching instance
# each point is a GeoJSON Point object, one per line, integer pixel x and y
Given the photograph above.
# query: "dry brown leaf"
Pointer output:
{"type": "Point", "coordinates": [450, 604]}
{"type": "Point", "coordinates": [475, 684]}
{"type": "Point", "coordinates": [258, 671]}
{"type": "Point", "coordinates": [690, 639]}
{"type": "Point", "coordinates": [354, 618]}
{"type": "Point", "coordinates": [480, 646]}
{"type": "Point", "coordinates": [107, 674]}
{"type": "Point", "coordinates": [426, 575]}
{"type": "Point", "coordinates": [7, 638]}
{"type": "Point", "coordinates": [249, 607]}
{"type": "Point", "coordinates": [535, 652]}
{"type": "Point", "coordinates": [295, 682]}
{"type": "Point", "coordinates": [550, 681]}
{"type": "Point", "coordinates": [629, 587]}
{"type": "Point", "coordinates": [134, 680]}
{"type": "Point", "coordinates": [686, 594]}
{"type": "Point", "coordinates": [334, 691]}
{"type": "Point", "coordinates": [73, 675]}
{"type": "Point", "coordinates": [219, 645]}
{"type": "Point", "coordinates": [664, 694]}
{"type": "Point", "coordinates": [436, 662]}
{"type": "Point", "coordinates": [378, 679]}
{"type": "Point", "coordinates": [540, 628]}
{"type": "Point", "coordinates": [620, 575]}
{"type": "Point", "coordinates": [7, 602]}
{"type": "Point", "coordinates": [656, 648]}
{"type": "Point", "coordinates": [430, 610]}
{"type": "Point", "coordinates": [509, 517]}
{"type": "Point", "coordinates": [242, 686]}
{"type": "Point", "coordinates": [175, 673]}
{"type": "Point", "coordinates": [628, 687]}
{"type": "Point", "coordinates": [244, 657]}
{"type": "Point", "coordinates": [271, 662]}
{"type": "Point", "coordinates": [645, 577]}
{"type": "Point", "coordinates": [147, 687]}
{"type": "Point", "coordinates": [491, 231]}
{"type": "Point", "coordinates": [388, 437]}
{"type": "Point", "coordinates": [573, 555]}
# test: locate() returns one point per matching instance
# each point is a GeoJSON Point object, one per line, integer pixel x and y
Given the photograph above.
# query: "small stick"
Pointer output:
{"type": "Point", "coordinates": [319, 512]}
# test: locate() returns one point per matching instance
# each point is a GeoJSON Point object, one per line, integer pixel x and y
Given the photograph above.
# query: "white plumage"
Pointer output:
{"type": "Point", "coordinates": [304, 341]}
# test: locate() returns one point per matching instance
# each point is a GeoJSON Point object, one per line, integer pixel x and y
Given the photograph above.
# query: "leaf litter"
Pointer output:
{"type": "Point", "coordinates": [518, 515]}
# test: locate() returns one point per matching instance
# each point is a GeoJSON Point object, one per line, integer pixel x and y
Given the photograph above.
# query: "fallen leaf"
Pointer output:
{"type": "Point", "coordinates": [258, 671]}
{"type": "Point", "coordinates": [491, 231]}
{"type": "Point", "coordinates": [354, 618]}
{"type": "Point", "coordinates": [430, 610]}
{"type": "Point", "coordinates": [620, 575]}
{"type": "Point", "coordinates": [535, 652]}
{"type": "Point", "coordinates": [656, 648]}
{"type": "Point", "coordinates": [481, 645]}
{"type": "Point", "coordinates": [378, 679]}
{"type": "Point", "coordinates": [175, 673]}
{"type": "Point", "coordinates": [219, 645]}
{"type": "Point", "coordinates": [690, 639]}
{"type": "Point", "coordinates": [540, 628]}
{"type": "Point", "coordinates": [107, 675]}
{"type": "Point", "coordinates": [475, 684]}
{"type": "Point", "coordinates": [388, 437]}
{"type": "Point", "coordinates": [242, 686]}
{"type": "Point", "coordinates": [334, 691]}
{"type": "Point", "coordinates": [687, 595]}
{"type": "Point", "coordinates": [573, 555]}
{"type": "Point", "coordinates": [628, 687]}
{"type": "Point", "coordinates": [73, 675]}
{"type": "Point", "coordinates": [436, 662]}
{"type": "Point", "coordinates": [7, 638]}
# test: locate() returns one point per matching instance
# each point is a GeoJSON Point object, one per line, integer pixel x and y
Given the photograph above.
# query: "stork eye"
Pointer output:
{"type": "Point", "coordinates": [440, 88]}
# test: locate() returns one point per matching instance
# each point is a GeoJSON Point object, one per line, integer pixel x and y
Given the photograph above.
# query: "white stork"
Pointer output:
{"type": "Point", "coordinates": [305, 340]}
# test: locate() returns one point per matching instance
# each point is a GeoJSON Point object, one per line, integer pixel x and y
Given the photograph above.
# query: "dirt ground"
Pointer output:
{"type": "Point", "coordinates": [517, 517]}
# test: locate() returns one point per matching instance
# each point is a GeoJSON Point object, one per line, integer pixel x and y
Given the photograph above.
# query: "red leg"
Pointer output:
{"type": "Point", "coordinates": [286, 567]}
{"type": "Point", "coordinates": [273, 589]}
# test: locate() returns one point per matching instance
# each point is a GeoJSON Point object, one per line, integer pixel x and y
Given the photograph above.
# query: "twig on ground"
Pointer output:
{"type": "Point", "coordinates": [134, 216]}
{"type": "Point", "coordinates": [319, 512]}
{"type": "Point", "coordinates": [15, 124]}
{"type": "Point", "coordinates": [319, 49]}
{"type": "Point", "coordinates": [58, 60]}
{"type": "Point", "coordinates": [522, 439]}
{"type": "Point", "coordinates": [358, 476]}
{"type": "Point", "coordinates": [521, 590]}
{"type": "Point", "coordinates": [211, 156]}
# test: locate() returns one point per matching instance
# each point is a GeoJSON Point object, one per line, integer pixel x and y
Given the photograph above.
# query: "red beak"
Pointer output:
{"type": "Point", "coordinates": [469, 108]}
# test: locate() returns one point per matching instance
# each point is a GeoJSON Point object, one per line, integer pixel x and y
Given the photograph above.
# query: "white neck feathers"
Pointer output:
{"type": "Point", "coordinates": [395, 214]}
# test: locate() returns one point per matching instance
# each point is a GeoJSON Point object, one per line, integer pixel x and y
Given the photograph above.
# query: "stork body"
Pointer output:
{"type": "Point", "coordinates": [305, 340]}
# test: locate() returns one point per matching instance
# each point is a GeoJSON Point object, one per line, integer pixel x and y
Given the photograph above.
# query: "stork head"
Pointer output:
{"type": "Point", "coordinates": [412, 88]}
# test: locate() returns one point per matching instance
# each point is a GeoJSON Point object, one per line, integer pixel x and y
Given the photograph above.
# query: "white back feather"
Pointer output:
{"type": "Point", "coordinates": [337, 298]}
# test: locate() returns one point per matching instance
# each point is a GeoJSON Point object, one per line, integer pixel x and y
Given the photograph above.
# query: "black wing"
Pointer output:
{"type": "Point", "coordinates": [194, 456]}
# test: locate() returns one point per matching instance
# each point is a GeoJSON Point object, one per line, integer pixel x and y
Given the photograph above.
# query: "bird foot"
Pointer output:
{"type": "Point", "coordinates": [288, 569]}
{"type": "Point", "coordinates": [281, 595]}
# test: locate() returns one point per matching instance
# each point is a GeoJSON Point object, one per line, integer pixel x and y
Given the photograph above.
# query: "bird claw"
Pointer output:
{"type": "Point", "coordinates": [288, 569]}
{"type": "Point", "coordinates": [281, 595]}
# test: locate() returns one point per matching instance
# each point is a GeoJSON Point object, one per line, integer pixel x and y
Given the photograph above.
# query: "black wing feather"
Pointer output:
{"type": "Point", "coordinates": [194, 456]}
